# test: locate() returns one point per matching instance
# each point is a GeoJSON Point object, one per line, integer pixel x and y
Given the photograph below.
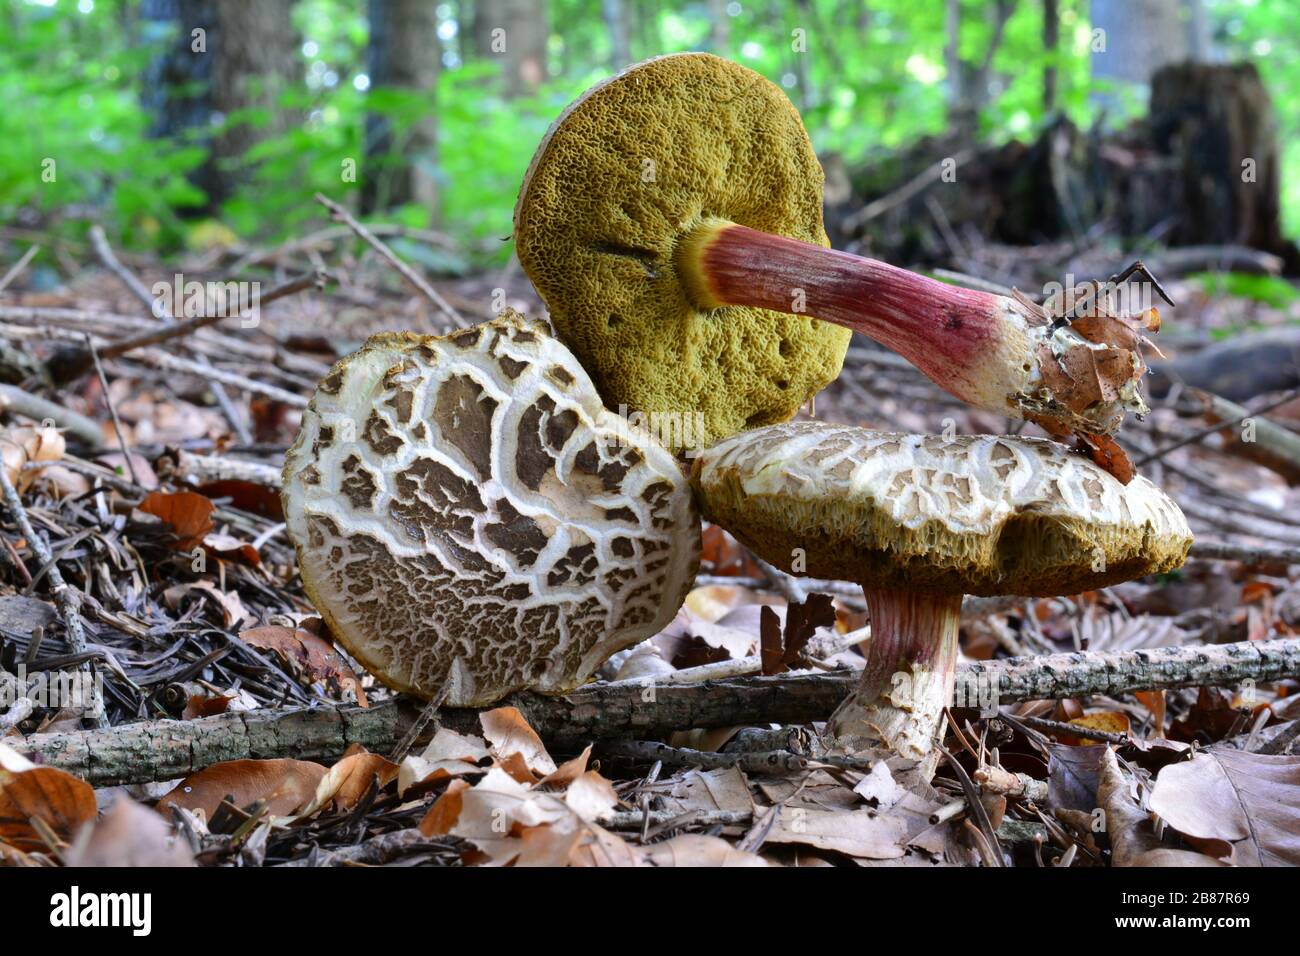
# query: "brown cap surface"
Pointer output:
{"type": "Point", "coordinates": [464, 506]}
{"type": "Point", "coordinates": [973, 514]}
{"type": "Point", "coordinates": [621, 177]}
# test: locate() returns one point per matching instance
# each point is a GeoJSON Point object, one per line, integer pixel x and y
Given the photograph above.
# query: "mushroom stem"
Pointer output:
{"type": "Point", "coordinates": [910, 674]}
{"type": "Point", "coordinates": [985, 349]}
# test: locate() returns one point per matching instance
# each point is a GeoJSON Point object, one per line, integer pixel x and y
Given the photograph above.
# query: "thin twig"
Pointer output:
{"type": "Point", "coordinates": [112, 411]}
{"type": "Point", "coordinates": [155, 307]}
{"type": "Point", "coordinates": [176, 330]}
{"type": "Point", "coordinates": [1204, 433]}
{"type": "Point", "coordinates": [18, 267]}
{"type": "Point", "coordinates": [1250, 554]}
{"type": "Point", "coordinates": [411, 276]}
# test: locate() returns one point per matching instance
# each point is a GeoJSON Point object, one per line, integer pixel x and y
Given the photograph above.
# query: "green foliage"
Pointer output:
{"type": "Point", "coordinates": [867, 77]}
{"type": "Point", "coordinates": [74, 134]}
{"type": "Point", "coordinates": [1268, 290]}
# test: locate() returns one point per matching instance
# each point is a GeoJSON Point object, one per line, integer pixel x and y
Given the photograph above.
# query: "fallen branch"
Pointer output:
{"type": "Point", "coordinates": [1250, 554]}
{"type": "Point", "coordinates": [167, 749]}
{"type": "Point", "coordinates": [410, 275]}
{"type": "Point", "coordinates": [14, 399]}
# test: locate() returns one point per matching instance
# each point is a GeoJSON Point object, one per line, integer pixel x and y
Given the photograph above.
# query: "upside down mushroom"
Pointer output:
{"type": "Point", "coordinates": [672, 221]}
{"type": "Point", "coordinates": [919, 521]}
{"type": "Point", "coordinates": [467, 514]}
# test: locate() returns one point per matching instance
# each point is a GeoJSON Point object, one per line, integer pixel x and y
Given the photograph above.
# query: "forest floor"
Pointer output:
{"type": "Point", "coordinates": [143, 545]}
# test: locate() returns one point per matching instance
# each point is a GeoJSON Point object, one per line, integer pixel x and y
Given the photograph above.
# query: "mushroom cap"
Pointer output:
{"type": "Point", "coordinates": [466, 511]}
{"type": "Point", "coordinates": [624, 173]}
{"type": "Point", "coordinates": [972, 514]}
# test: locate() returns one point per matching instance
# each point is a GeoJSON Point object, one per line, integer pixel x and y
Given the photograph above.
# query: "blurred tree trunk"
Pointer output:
{"type": "Point", "coordinates": [226, 56]}
{"type": "Point", "coordinates": [615, 14]}
{"type": "Point", "coordinates": [514, 32]}
{"type": "Point", "coordinates": [403, 55]}
{"type": "Point", "coordinates": [177, 91]}
{"type": "Point", "coordinates": [968, 83]}
{"type": "Point", "coordinates": [255, 63]}
{"type": "Point", "coordinates": [1138, 37]}
{"type": "Point", "coordinates": [1217, 124]}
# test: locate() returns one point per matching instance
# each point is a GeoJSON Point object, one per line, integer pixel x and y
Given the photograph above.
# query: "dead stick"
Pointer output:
{"type": "Point", "coordinates": [18, 267]}
{"type": "Point", "coordinates": [112, 410]}
{"type": "Point", "coordinates": [66, 599]}
{"type": "Point", "coordinates": [411, 276]}
{"type": "Point", "coordinates": [154, 304]}
{"type": "Point", "coordinates": [164, 750]}
{"type": "Point", "coordinates": [1222, 551]}
{"type": "Point", "coordinates": [123, 346]}
{"type": "Point", "coordinates": [14, 399]}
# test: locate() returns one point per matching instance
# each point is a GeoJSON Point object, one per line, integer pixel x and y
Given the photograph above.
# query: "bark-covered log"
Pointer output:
{"type": "Point", "coordinates": [162, 750]}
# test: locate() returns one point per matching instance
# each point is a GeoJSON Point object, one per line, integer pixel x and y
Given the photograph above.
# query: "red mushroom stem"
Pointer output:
{"type": "Point", "coordinates": [910, 675]}
{"type": "Point", "coordinates": [985, 349]}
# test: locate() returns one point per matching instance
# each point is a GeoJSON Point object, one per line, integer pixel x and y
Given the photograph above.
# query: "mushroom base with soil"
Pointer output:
{"type": "Point", "coordinates": [909, 677]}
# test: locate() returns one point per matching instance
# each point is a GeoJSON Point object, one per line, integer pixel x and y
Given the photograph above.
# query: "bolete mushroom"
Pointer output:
{"type": "Point", "coordinates": [921, 520]}
{"type": "Point", "coordinates": [672, 221]}
{"type": "Point", "coordinates": [467, 513]}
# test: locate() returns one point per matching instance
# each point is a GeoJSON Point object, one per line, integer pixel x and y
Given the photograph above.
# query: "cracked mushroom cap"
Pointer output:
{"type": "Point", "coordinates": [973, 514]}
{"type": "Point", "coordinates": [465, 510]}
{"type": "Point", "coordinates": [627, 171]}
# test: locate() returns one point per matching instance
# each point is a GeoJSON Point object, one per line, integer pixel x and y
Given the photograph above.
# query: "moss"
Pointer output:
{"type": "Point", "coordinates": [628, 171]}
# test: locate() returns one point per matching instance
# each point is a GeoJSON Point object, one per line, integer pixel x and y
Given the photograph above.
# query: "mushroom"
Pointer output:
{"type": "Point", "coordinates": [919, 521]}
{"type": "Point", "coordinates": [467, 514]}
{"type": "Point", "coordinates": [672, 221]}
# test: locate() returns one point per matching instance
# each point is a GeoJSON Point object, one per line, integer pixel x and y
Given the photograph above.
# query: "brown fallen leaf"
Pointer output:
{"type": "Point", "coordinates": [449, 754]}
{"type": "Point", "coordinates": [1110, 721]}
{"type": "Point", "coordinates": [1107, 455]}
{"type": "Point", "coordinates": [856, 833]}
{"type": "Point", "coordinates": [233, 612]}
{"type": "Point", "coordinates": [28, 443]}
{"type": "Point", "coordinates": [246, 496]}
{"type": "Point", "coordinates": [345, 784]}
{"type": "Point", "coordinates": [129, 835]}
{"type": "Point", "coordinates": [58, 799]}
{"type": "Point", "coordinates": [1133, 841]}
{"type": "Point", "coordinates": [308, 657]}
{"type": "Point", "coordinates": [508, 733]}
{"type": "Point", "coordinates": [1247, 804]}
{"type": "Point", "coordinates": [286, 785]}
{"type": "Point", "coordinates": [187, 514]}
{"type": "Point", "coordinates": [781, 647]}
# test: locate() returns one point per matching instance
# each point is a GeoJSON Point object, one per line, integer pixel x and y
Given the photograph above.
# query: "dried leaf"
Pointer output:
{"type": "Point", "coordinates": [189, 515]}
{"type": "Point", "coordinates": [28, 443]}
{"type": "Point", "coordinates": [856, 833]}
{"type": "Point", "coordinates": [345, 784]}
{"type": "Point", "coordinates": [247, 496]}
{"type": "Point", "coordinates": [1072, 775]}
{"type": "Point", "coordinates": [308, 657]}
{"type": "Point", "coordinates": [1133, 841]}
{"type": "Point", "coordinates": [129, 835]}
{"type": "Point", "coordinates": [508, 733]}
{"type": "Point", "coordinates": [1248, 802]}
{"type": "Point", "coordinates": [782, 647]}
{"type": "Point", "coordinates": [60, 800]}
{"type": "Point", "coordinates": [286, 785]}
{"type": "Point", "coordinates": [1107, 455]}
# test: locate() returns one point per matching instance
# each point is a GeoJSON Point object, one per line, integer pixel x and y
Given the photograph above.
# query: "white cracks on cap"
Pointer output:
{"type": "Point", "coordinates": [467, 512]}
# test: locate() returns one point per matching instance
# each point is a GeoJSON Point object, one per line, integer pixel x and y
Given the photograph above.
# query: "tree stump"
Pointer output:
{"type": "Point", "coordinates": [1217, 122]}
